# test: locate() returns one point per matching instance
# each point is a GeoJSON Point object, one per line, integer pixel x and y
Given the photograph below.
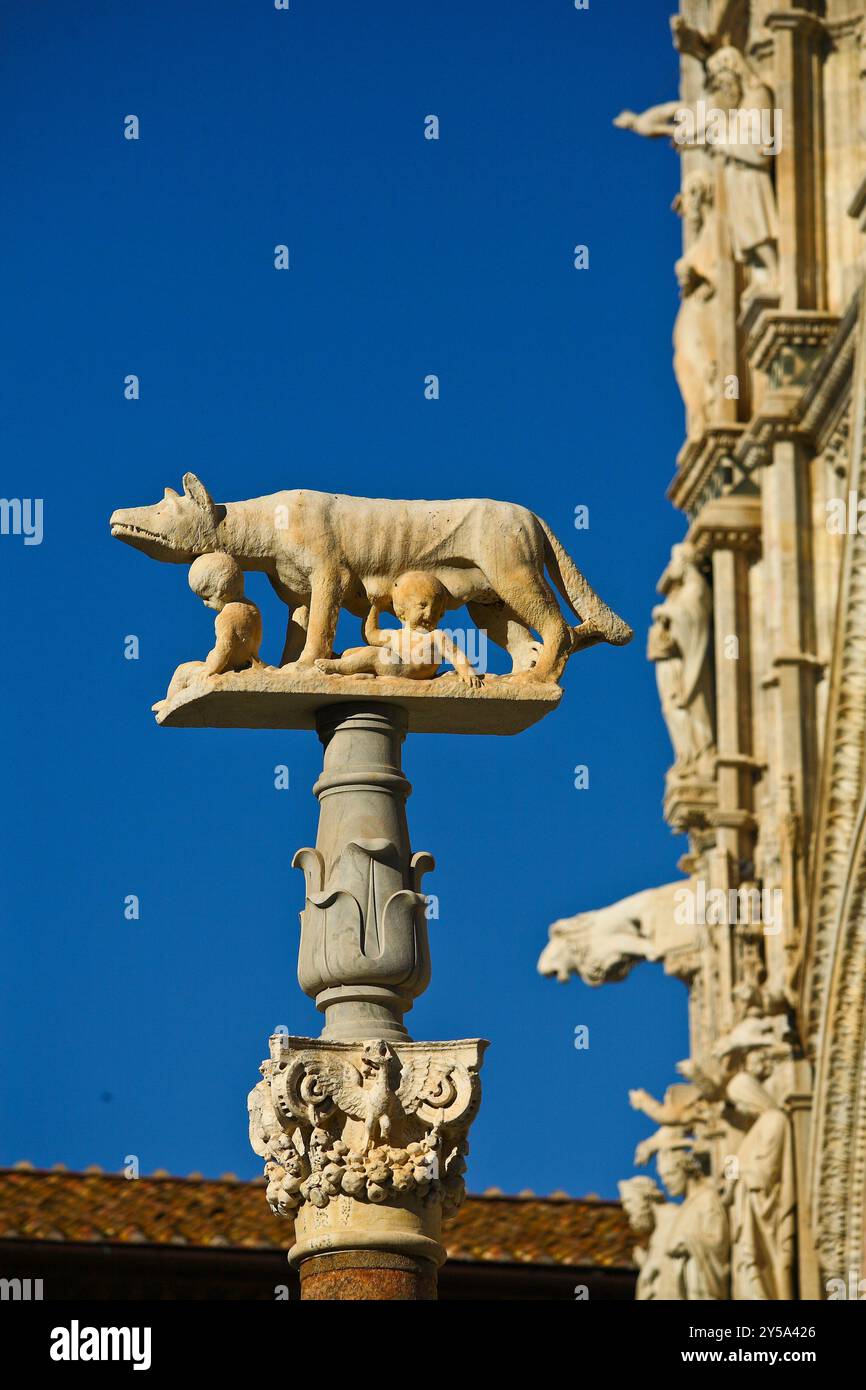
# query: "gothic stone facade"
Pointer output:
{"type": "Point", "coordinates": [759, 644]}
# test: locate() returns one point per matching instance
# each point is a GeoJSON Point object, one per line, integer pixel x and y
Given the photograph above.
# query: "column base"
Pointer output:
{"type": "Point", "coordinates": [369, 1010]}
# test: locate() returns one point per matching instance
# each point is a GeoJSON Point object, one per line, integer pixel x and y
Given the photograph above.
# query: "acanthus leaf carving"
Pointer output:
{"type": "Point", "coordinates": [376, 1122]}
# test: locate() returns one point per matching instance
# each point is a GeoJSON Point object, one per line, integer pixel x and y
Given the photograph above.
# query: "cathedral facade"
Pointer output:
{"type": "Point", "coordinates": [758, 638]}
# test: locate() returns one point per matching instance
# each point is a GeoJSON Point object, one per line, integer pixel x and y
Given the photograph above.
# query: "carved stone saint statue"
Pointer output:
{"type": "Point", "coordinates": [698, 1236]}
{"type": "Point", "coordinates": [650, 1215]}
{"type": "Point", "coordinates": [695, 350]}
{"type": "Point", "coordinates": [679, 645]}
{"type": "Point", "coordinates": [737, 129]}
{"type": "Point", "coordinates": [763, 1195]}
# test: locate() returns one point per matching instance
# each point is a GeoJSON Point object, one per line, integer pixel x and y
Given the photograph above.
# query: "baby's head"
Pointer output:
{"type": "Point", "coordinates": [419, 599]}
{"type": "Point", "coordinates": [217, 579]}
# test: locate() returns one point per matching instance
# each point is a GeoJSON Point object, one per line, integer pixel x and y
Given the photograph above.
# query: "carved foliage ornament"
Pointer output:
{"type": "Point", "coordinates": [373, 1121]}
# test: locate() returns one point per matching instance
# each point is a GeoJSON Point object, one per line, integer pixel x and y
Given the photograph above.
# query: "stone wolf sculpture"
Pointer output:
{"type": "Point", "coordinates": [323, 552]}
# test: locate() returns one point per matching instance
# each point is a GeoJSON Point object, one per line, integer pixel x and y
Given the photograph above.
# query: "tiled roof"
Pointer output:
{"type": "Point", "coordinates": [197, 1212]}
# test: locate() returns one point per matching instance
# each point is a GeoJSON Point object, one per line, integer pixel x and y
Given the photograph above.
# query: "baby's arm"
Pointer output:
{"type": "Point", "coordinates": [374, 635]}
{"type": "Point", "coordinates": [453, 655]}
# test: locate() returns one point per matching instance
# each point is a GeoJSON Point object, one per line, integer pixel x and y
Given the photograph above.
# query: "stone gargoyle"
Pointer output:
{"type": "Point", "coordinates": [602, 946]}
{"type": "Point", "coordinates": [323, 552]}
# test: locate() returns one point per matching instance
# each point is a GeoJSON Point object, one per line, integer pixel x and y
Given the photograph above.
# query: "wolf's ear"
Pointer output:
{"type": "Point", "coordinates": [170, 492]}
{"type": "Point", "coordinates": [195, 489]}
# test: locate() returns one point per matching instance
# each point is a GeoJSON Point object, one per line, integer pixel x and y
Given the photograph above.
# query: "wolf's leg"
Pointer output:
{"type": "Point", "coordinates": [296, 627]}
{"type": "Point", "coordinates": [296, 635]}
{"type": "Point", "coordinates": [326, 600]}
{"type": "Point", "coordinates": [527, 592]}
{"type": "Point", "coordinates": [503, 627]}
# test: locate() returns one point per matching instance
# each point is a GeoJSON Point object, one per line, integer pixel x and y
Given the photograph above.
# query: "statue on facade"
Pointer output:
{"type": "Point", "coordinates": [735, 125]}
{"type": "Point", "coordinates": [682, 1105]}
{"type": "Point", "coordinates": [603, 945]}
{"type": "Point", "coordinates": [650, 1216]}
{"type": "Point", "coordinates": [692, 1253]}
{"type": "Point", "coordinates": [323, 552]}
{"type": "Point", "coordinates": [697, 1237]}
{"type": "Point", "coordinates": [762, 1193]}
{"type": "Point", "coordinates": [695, 350]}
{"type": "Point", "coordinates": [679, 645]}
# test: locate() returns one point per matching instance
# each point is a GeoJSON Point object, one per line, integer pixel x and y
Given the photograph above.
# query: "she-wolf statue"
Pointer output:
{"type": "Point", "coordinates": [323, 552]}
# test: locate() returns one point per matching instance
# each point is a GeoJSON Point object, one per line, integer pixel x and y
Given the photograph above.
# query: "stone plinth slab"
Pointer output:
{"type": "Point", "coordinates": [290, 699]}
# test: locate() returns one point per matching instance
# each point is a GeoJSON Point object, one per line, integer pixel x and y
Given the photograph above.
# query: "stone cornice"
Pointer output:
{"type": "Point", "coordinates": [779, 418]}
{"type": "Point", "coordinates": [809, 359]}
{"type": "Point", "coordinates": [733, 820]}
{"type": "Point", "coordinates": [846, 27]}
{"type": "Point", "coordinates": [826, 394]}
{"type": "Point", "coordinates": [805, 659]}
{"type": "Point", "coordinates": [732, 522]}
{"type": "Point", "coordinates": [797, 336]}
{"type": "Point", "coordinates": [700, 464]}
{"type": "Point", "coordinates": [689, 803]}
{"type": "Point", "coordinates": [799, 19]}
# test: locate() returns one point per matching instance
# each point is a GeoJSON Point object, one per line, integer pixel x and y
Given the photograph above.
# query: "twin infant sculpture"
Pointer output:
{"type": "Point", "coordinates": [323, 552]}
{"type": "Point", "coordinates": [415, 652]}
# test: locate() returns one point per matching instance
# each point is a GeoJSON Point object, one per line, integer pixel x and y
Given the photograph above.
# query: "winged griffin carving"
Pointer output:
{"type": "Point", "coordinates": [370, 1120]}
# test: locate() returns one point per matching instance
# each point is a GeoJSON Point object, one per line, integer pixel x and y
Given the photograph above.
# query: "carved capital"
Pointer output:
{"type": "Point", "coordinates": [364, 1143]}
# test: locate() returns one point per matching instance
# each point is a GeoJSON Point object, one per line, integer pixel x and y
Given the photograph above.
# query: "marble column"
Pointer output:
{"type": "Point", "coordinates": [363, 1131]}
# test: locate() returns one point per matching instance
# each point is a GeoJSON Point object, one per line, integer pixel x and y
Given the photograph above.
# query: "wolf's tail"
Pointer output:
{"type": "Point", "coordinates": [582, 597]}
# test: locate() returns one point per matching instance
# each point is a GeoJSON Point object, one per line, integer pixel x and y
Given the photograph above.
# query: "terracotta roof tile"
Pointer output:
{"type": "Point", "coordinates": [109, 1208]}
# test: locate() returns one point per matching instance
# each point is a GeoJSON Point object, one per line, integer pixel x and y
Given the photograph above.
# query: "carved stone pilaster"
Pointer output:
{"type": "Point", "coordinates": [364, 1142]}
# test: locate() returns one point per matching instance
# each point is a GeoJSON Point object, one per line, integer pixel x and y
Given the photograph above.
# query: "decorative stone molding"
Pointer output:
{"type": "Point", "coordinates": [837, 448]}
{"type": "Point", "coordinates": [827, 396]}
{"type": "Point", "coordinates": [787, 346]}
{"type": "Point", "coordinates": [704, 468]}
{"type": "Point", "coordinates": [839, 1149]}
{"type": "Point", "coordinates": [727, 523]}
{"type": "Point", "coordinates": [364, 1143]}
{"type": "Point", "coordinates": [689, 802]}
{"type": "Point", "coordinates": [843, 763]}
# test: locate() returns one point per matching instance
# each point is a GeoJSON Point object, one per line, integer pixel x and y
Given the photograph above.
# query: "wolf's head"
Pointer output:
{"type": "Point", "coordinates": [178, 528]}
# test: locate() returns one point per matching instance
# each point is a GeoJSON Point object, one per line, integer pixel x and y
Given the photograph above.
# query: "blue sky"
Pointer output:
{"type": "Point", "coordinates": [408, 257]}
